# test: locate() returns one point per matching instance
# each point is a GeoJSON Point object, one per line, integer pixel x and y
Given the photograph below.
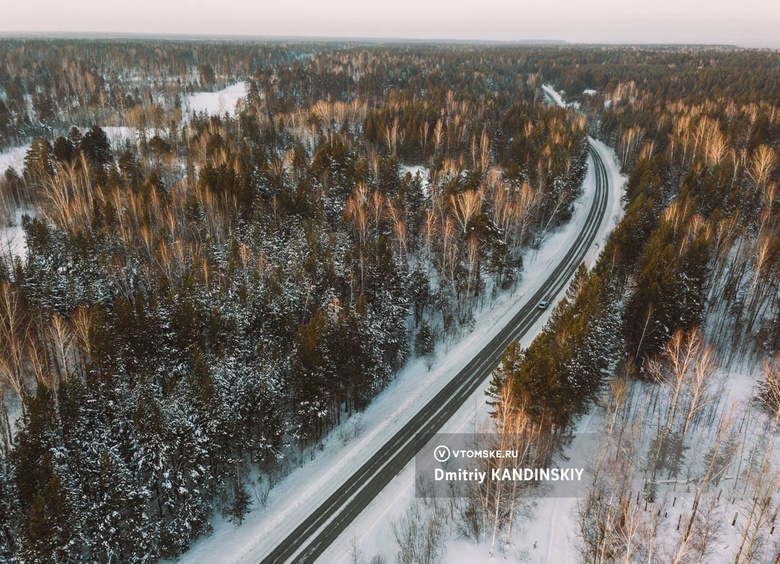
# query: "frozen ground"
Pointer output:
{"type": "Point", "coordinates": [550, 535]}
{"type": "Point", "coordinates": [117, 136]}
{"type": "Point", "coordinates": [12, 236]}
{"type": "Point", "coordinates": [294, 497]}
{"type": "Point", "coordinates": [550, 532]}
{"type": "Point", "coordinates": [215, 103]}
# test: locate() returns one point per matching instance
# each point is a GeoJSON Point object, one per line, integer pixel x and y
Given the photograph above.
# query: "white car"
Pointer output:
{"type": "Point", "coordinates": [543, 304]}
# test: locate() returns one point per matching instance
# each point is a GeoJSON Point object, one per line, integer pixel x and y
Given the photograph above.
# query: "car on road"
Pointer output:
{"type": "Point", "coordinates": [544, 304]}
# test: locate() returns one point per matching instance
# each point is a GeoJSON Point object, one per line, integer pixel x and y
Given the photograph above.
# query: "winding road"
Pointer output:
{"type": "Point", "coordinates": [326, 523]}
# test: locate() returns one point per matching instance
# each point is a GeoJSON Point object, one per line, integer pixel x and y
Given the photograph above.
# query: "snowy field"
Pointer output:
{"type": "Point", "coordinates": [119, 136]}
{"type": "Point", "coordinates": [12, 236]}
{"type": "Point", "coordinates": [215, 103]}
{"type": "Point", "coordinates": [296, 496]}
{"type": "Point", "coordinates": [13, 158]}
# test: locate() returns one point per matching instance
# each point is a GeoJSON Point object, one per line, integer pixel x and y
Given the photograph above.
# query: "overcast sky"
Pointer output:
{"type": "Point", "coordinates": [741, 22]}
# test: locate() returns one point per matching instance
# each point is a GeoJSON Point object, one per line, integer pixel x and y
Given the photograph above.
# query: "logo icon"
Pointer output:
{"type": "Point", "coordinates": [441, 453]}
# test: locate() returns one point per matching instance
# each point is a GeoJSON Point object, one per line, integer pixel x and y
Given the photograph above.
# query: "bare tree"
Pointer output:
{"type": "Point", "coordinates": [465, 205]}
{"type": "Point", "coordinates": [769, 387]}
{"type": "Point", "coordinates": [700, 384]}
{"type": "Point", "coordinates": [714, 464]}
{"type": "Point", "coordinates": [761, 165]}
{"type": "Point", "coordinates": [420, 535]}
{"type": "Point", "coordinates": [680, 354]}
{"type": "Point", "coordinates": [355, 552]}
{"type": "Point", "coordinates": [15, 334]}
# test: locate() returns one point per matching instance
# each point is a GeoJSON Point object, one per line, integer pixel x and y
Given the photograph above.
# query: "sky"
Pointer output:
{"type": "Point", "coordinates": [753, 23]}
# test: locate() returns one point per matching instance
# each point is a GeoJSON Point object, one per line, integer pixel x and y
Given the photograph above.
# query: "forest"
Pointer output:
{"type": "Point", "coordinates": [199, 304]}
{"type": "Point", "coordinates": [204, 297]}
{"type": "Point", "coordinates": [655, 340]}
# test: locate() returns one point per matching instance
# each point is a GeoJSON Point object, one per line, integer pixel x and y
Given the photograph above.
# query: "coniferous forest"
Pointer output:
{"type": "Point", "coordinates": [204, 295]}
{"type": "Point", "coordinates": [196, 306]}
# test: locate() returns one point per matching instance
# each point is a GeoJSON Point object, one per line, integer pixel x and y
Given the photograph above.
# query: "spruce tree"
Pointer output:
{"type": "Point", "coordinates": [423, 341]}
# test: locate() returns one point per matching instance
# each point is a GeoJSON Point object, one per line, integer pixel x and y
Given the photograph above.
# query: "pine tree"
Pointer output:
{"type": "Point", "coordinates": [39, 160]}
{"type": "Point", "coordinates": [49, 530]}
{"type": "Point", "coordinates": [96, 148]}
{"type": "Point", "coordinates": [120, 528]}
{"type": "Point", "coordinates": [241, 501]}
{"type": "Point", "coordinates": [9, 513]}
{"type": "Point", "coordinates": [423, 341]}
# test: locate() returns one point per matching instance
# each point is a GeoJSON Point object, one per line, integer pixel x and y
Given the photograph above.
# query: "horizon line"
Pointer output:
{"type": "Point", "coordinates": [107, 35]}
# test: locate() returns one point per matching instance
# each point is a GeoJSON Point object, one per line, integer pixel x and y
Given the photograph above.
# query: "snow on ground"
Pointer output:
{"type": "Point", "coordinates": [557, 99]}
{"type": "Point", "coordinates": [550, 535]}
{"type": "Point", "coordinates": [12, 236]}
{"type": "Point", "coordinates": [414, 170]}
{"type": "Point", "coordinates": [300, 492]}
{"type": "Point", "coordinates": [117, 135]}
{"type": "Point", "coordinates": [215, 103]}
{"type": "Point", "coordinates": [371, 531]}
{"type": "Point", "coordinates": [210, 102]}
{"type": "Point", "coordinates": [730, 498]}
{"type": "Point", "coordinates": [554, 96]}
{"type": "Point", "coordinates": [13, 158]}
{"type": "Point", "coordinates": [589, 92]}
{"type": "Point", "coordinates": [13, 405]}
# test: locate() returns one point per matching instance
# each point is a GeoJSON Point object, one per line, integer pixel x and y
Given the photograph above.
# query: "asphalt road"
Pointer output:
{"type": "Point", "coordinates": [325, 524]}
